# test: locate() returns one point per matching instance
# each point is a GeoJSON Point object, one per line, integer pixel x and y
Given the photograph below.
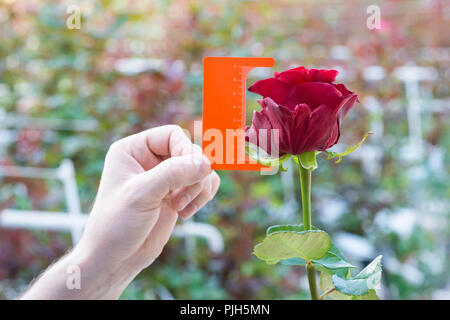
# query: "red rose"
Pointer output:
{"type": "Point", "coordinates": [305, 105]}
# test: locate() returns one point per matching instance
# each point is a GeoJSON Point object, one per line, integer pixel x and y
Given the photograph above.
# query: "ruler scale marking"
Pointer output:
{"type": "Point", "coordinates": [224, 89]}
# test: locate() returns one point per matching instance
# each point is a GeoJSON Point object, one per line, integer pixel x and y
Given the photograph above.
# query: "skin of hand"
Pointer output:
{"type": "Point", "coordinates": [148, 180]}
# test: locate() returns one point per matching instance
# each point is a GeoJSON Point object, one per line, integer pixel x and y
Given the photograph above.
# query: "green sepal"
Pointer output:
{"type": "Point", "coordinates": [349, 150]}
{"type": "Point", "coordinates": [307, 160]}
{"type": "Point", "coordinates": [262, 157]}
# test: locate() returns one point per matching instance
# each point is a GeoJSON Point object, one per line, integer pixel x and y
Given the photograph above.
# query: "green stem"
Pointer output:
{"type": "Point", "coordinates": [311, 273]}
{"type": "Point", "coordinates": [305, 184]}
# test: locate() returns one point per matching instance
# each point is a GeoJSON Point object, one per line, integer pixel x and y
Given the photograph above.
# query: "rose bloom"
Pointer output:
{"type": "Point", "coordinates": [305, 105]}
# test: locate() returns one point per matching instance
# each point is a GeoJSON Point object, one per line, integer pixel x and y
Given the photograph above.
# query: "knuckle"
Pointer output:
{"type": "Point", "coordinates": [176, 128]}
{"type": "Point", "coordinates": [114, 147]}
{"type": "Point", "coordinates": [173, 127]}
{"type": "Point", "coordinates": [177, 133]}
{"type": "Point", "coordinates": [180, 141]}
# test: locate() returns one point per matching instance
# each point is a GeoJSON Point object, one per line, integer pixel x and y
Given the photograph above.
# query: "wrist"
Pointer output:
{"type": "Point", "coordinates": [99, 278]}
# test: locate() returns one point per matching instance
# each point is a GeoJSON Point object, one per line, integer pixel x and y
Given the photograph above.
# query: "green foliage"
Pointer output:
{"type": "Point", "coordinates": [333, 262]}
{"type": "Point", "coordinates": [330, 263]}
{"type": "Point", "coordinates": [294, 246]}
{"type": "Point", "coordinates": [371, 295]}
{"type": "Point", "coordinates": [286, 227]}
{"type": "Point", "coordinates": [326, 285]}
{"type": "Point", "coordinates": [286, 244]}
{"type": "Point", "coordinates": [363, 282]}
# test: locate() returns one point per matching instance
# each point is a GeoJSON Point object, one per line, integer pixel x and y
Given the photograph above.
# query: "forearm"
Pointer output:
{"type": "Point", "coordinates": [76, 276]}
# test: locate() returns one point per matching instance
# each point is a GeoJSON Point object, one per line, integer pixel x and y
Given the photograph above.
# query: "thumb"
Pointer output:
{"type": "Point", "coordinates": [174, 173]}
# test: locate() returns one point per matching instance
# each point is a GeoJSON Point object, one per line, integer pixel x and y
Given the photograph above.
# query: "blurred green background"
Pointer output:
{"type": "Point", "coordinates": [137, 64]}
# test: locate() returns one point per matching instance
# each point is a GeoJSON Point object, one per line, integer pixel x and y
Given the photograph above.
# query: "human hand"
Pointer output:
{"type": "Point", "coordinates": [149, 179]}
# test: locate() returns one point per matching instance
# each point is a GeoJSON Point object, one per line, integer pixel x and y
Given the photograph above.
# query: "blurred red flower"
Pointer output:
{"type": "Point", "coordinates": [305, 105]}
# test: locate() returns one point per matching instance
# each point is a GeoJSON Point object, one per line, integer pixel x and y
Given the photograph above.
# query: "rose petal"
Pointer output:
{"type": "Point", "coordinates": [282, 119]}
{"type": "Point", "coordinates": [341, 112]}
{"type": "Point", "coordinates": [317, 130]}
{"type": "Point", "coordinates": [273, 88]}
{"type": "Point", "coordinates": [302, 112]}
{"type": "Point", "coordinates": [290, 124]}
{"type": "Point", "coordinates": [335, 135]}
{"type": "Point", "coordinates": [322, 75]}
{"type": "Point", "coordinates": [345, 105]}
{"type": "Point", "coordinates": [313, 94]}
{"type": "Point", "coordinates": [267, 101]}
{"type": "Point", "coordinates": [293, 76]}
{"type": "Point", "coordinates": [260, 121]}
{"type": "Point", "coordinates": [345, 92]}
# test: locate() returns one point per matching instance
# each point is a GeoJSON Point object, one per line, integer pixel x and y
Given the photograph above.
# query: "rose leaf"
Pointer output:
{"type": "Point", "coordinates": [363, 282]}
{"type": "Point", "coordinates": [282, 245]}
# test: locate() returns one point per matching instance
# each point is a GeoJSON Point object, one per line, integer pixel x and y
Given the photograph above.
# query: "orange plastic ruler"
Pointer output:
{"type": "Point", "coordinates": [224, 88]}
